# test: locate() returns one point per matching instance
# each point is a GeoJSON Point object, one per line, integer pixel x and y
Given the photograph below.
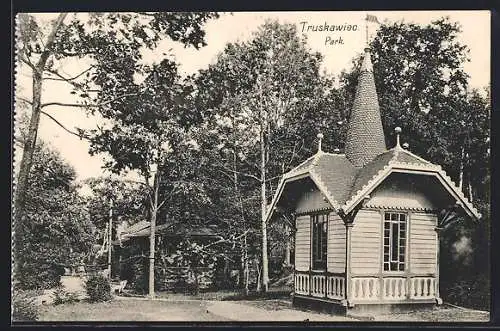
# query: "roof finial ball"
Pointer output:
{"type": "Point", "coordinates": [398, 131]}
{"type": "Point", "coordinates": [320, 138]}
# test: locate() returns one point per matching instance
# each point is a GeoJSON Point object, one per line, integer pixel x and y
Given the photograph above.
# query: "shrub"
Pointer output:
{"type": "Point", "coordinates": [23, 307]}
{"type": "Point", "coordinates": [62, 296]}
{"type": "Point", "coordinates": [98, 288]}
{"type": "Point", "coordinates": [471, 293]}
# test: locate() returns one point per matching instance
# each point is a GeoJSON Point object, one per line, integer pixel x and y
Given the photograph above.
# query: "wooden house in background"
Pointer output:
{"type": "Point", "coordinates": [135, 238]}
{"type": "Point", "coordinates": [368, 221]}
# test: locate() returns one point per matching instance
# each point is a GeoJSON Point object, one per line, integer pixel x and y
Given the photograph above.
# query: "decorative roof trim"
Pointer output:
{"type": "Point", "coordinates": [293, 177]}
{"type": "Point", "coordinates": [389, 207]}
{"type": "Point", "coordinates": [296, 175]}
{"type": "Point", "coordinates": [404, 167]}
{"type": "Point", "coordinates": [365, 189]}
{"type": "Point", "coordinates": [301, 164]}
{"type": "Point", "coordinates": [415, 156]}
{"type": "Point", "coordinates": [315, 210]}
{"type": "Point", "coordinates": [276, 197]}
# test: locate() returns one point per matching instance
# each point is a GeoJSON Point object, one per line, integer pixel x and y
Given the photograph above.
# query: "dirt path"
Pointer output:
{"type": "Point", "coordinates": [132, 310]}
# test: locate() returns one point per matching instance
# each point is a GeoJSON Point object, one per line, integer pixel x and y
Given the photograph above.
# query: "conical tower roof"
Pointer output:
{"type": "Point", "coordinates": [365, 134]}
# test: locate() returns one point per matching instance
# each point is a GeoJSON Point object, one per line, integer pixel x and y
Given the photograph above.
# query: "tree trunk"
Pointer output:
{"type": "Point", "coordinates": [154, 212]}
{"type": "Point", "coordinates": [30, 142]}
{"type": "Point", "coordinates": [257, 267]}
{"type": "Point", "coordinates": [265, 277]}
{"type": "Point", "coordinates": [461, 171]}
{"type": "Point", "coordinates": [110, 237]}
{"type": "Point", "coordinates": [246, 270]}
{"type": "Point", "coordinates": [288, 246]}
{"type": "Point", "coordinates": [27, 158]}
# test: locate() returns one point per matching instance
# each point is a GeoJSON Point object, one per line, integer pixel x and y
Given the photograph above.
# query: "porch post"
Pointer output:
{"type": "Point", "coordinates": [348, 289]}
{"type": "Point", "coordinates": [438, 229]}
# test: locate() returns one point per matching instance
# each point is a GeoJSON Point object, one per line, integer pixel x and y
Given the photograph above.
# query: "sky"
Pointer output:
{"type": "Point", "coordinates": [239, 27]}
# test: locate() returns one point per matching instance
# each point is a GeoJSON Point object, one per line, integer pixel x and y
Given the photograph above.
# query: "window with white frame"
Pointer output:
{"type": "Point", "coordinates": [319, 239]}
{"type": "Point", "coordinates": [395, 226]}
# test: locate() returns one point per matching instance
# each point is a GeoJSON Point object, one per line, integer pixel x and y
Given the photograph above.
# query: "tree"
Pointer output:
{"type": "Point", "coordinates": [146, 131]}
{"type": "Point", "coordinates": [423, 88]}
{"type": "Point", "coordinates": [128, 203]}
{"type": "Point", "coordinates": [261, 94]}
{"type": "Point", "coordinates": [109, 41]}
{"type": "Point", "coordinates": [58, 231]}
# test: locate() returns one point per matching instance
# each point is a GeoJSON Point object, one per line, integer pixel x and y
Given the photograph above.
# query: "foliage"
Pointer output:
{"type": "Point", "coordinates": [473, 292]}
{"type": "Point", "coordinates": [129, 207]}
{"type": "Point", "coordinates": [58, 230]}
{"type": "Point", "coordinates": [264, 98]}
{"type": "Point", "coordinates": [110, 43]}
{"type": "Point", "coordinates": [61, 296]}
{"type": "Point", "coordinates": [24, 307]}
{"type": "Point", "coordinates": [423, 88]}
{"type": "Point", "coordinates": [98, 288]}
{"type": "Point", "coordinates": [441, 119]}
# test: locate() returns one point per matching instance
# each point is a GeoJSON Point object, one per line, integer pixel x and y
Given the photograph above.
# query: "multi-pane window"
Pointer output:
{"type": "Point", "coordinates": [395, 225]}
{"type": "Point", "coordinates": [319, 237]}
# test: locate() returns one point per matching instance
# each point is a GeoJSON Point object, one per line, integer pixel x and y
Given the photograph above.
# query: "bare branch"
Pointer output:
{"type": "Point", "coordinates": [273, 178]}
{"type": "Point", "coordinates": [79, 135]}
{"type": "Point", "coordinates": [25, 100]}
{"type": "Point", "coordinates": [227, 175]}
{"type": "Point", "coordinates": [229, 240]}
{"type": "Point", "coordinates": [62, 104]}
{"type": "Point", "coordinates": [242, 173]}
{"type": "Point", "coordinates": [67, 79]}
{"type": "Point", "coordinates": [24, 58]}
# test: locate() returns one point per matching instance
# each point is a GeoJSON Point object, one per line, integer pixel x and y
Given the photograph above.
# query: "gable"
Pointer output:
{"type": "Point", "coordinates": [409, 191]}
{"type": "Point", "coordinates": [312, 200]}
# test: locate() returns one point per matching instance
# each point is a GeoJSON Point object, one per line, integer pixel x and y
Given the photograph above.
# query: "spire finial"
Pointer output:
{"type": "Point", "coordinates": [366, 65]}
{"type": "Point", "coordinates": [398, 131]}
{"type": "Point", "coordinates": [320, 137]}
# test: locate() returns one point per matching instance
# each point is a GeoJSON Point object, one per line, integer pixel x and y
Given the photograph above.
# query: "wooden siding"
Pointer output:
{"type": "Point", "coordinates": [336, 253]}
{"type": "Point", "coordinates": [303, 243]}
{"type": "Point", "coordinates": [311, 201]}
{"type": "Point", "coordinates": [366, 242]}
{"type": "Point", "coordinates": [423, 243]}
{"type": "Point", "coordinates": [398, 192]}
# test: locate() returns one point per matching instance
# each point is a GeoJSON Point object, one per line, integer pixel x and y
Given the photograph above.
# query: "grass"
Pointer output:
{"type": "Point", "coordinates": [222, 295]}
{"type": "Point", "coordinates": [270, 304]}
{"type": "Point", "coordinates": [129, 310]}
{"type": "Point", "coordinates": [442, 313]}
{"type": "Point", "coordinates": [211, 296]}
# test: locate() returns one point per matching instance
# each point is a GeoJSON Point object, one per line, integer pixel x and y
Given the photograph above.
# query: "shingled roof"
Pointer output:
{"type": "Point", "coordinates": [345, 179]}
{"type": "Point", "coordinates": [365, 134]}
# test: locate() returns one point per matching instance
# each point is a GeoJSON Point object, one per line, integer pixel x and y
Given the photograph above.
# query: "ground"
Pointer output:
{"type": "Point", "coordinates": [223, 306]}
{"type": "Point", "coordinates": [131, 310]}
{"type": "Point", "coordinates": [140, 309]}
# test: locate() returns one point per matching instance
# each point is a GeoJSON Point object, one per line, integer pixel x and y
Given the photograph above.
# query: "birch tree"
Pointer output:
{"type": "Point", "coordinates": [268, 92]}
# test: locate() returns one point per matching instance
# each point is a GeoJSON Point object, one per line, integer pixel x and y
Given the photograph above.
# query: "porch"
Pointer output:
{"type": "Point", "coordinates": [367, 289]}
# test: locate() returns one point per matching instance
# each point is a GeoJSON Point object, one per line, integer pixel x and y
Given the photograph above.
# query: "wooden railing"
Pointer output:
{"type": "Point", "coordinates": [335, 287]}
{"type": "Point", "coordinates": [365, 288]}
{"type": "Point", "coordinates": [318, 285]}
{"type": "Point", "coordinates": [395, 288]}
{"type": "Point", "coordinates": [423, 287]}
{"type": "Point", "coordinates": [302, 283]}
